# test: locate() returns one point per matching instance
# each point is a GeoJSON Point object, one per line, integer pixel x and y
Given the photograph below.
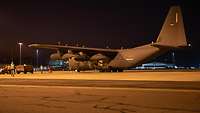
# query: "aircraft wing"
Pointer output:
{"type": "Point", "coordinates": [74, 48]}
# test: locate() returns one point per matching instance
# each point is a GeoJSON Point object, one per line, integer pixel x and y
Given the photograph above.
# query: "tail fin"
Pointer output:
{"type": "Point", "coordinates": [172, 33]}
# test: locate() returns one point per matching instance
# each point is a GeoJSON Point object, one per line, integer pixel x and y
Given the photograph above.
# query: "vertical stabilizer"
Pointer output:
{"type": "Point", "coordinates": [172, 33]}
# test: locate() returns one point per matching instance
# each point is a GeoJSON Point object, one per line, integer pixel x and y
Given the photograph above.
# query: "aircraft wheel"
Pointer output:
{"type": "Point", "coordinates": [120, 70]}
{"type": "Point", "coordinates": [114, 70]}
{"type": "Point", "coordinates": [77, 70]}
{"type": "Point", "coordinates": [102, 70]}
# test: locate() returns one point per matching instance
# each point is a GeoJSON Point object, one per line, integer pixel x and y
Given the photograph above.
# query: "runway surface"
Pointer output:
{"type": "Point", "coordinates": [141, 75]}
{"type": "Point", "coordinates": [91, 92]}
{"type": "Point", "coordinates": [64, 99]}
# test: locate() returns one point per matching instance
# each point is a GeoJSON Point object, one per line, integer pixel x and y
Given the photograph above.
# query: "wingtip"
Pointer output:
{"type": "Point", "coordinates": [33, 45]}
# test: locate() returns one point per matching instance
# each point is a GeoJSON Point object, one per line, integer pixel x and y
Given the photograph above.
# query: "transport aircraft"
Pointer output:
{"type": "Point", "coordinates": [171, 36]}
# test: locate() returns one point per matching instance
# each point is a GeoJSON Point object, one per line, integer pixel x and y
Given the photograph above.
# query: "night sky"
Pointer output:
{"type": "Point", "coordinates": [94, 23]}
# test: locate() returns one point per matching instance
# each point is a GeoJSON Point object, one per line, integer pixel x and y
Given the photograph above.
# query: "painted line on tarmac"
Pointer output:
{"type": "Point", "coordinates": [104, 88]}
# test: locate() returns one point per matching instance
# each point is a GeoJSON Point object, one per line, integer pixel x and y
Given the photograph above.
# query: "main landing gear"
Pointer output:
{"type": "Point", "coordinates": [111, 70]}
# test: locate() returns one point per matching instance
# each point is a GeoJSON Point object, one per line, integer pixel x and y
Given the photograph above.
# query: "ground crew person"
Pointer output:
{"type": "Point", "coordinates": [12, 69]}
{"type": "Point", "coordinates": [50, 69]}
{"type": "Point", "coordinates": [41, 69]}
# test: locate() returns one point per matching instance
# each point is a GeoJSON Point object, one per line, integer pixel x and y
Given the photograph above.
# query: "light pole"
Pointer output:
{"type": "Point", "coordinates": [20, 52]}
{"type": "Point", "coordinates": [37, 53]}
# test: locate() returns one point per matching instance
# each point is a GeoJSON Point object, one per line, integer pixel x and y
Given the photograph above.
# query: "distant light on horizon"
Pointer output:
{"type": "Point", "coordinates": [20, 43]}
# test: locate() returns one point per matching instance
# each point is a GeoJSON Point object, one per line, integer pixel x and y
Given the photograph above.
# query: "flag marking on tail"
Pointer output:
{"type": "Point", "coordinates": [176, 17]}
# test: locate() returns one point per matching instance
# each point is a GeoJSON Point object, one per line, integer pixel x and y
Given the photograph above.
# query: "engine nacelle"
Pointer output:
{"type": "Point", "coordinates": [55, 56]}
{"type": "Point", "coordinates": [67, 56]}
{"type": "Point", "coordinates": [80, 65]}
{"type": "Point", "coordinates": [81, 58]}
{"type": "Point", "coordinates": [98, 57]}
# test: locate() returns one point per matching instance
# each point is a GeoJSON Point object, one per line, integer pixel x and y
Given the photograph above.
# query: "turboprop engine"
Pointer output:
{"type": "Point", "coordinates": [67, 56]}
{"type": "Point", "coordinates": [81, 57]}
{"type": "Point", "coordinates": [55, 56]}
{"type": "Point", "coordinates": [78, 56]}
{"type": "Point", "coordinates": [100, 60]}
{"type": "Point", "coordinates": [99, 56]}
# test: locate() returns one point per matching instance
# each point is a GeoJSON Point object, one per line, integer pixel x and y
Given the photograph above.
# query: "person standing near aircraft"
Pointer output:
{"type": "Point", "coordinates": [41, 69]}
{"type": "Point", "coordinates": [12, 69]}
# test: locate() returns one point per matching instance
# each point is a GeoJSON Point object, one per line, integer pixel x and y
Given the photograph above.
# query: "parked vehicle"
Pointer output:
{"type": "Point", "coordinates": [5, 69]}
{"type": "Point", "coordinates": [24, 69]}
{"type": "Point", "coordinates": [2, 70]}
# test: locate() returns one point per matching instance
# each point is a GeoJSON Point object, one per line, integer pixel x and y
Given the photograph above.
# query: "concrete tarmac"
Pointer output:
{"type": "Point", "coordinates": [91, 92]}
{"type": "Point", "coordinates": [167, 75]}
{"type": "Point", "coordinates": [64, 99]}
{"type": "Point", "coordinates": [135, 79]}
